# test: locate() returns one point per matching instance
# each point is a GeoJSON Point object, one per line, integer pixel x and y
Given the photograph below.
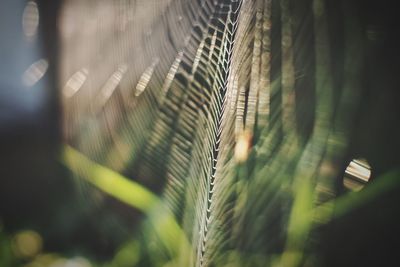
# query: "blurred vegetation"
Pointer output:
{"type": "Point", "coordinates": [25, 247]}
